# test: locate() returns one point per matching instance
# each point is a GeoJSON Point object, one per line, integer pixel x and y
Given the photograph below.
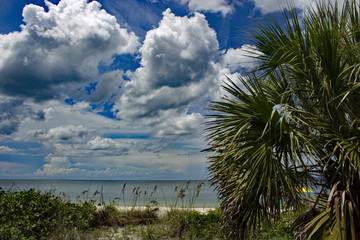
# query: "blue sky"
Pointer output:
{"type": "Point", "coordinates": [117, 89]}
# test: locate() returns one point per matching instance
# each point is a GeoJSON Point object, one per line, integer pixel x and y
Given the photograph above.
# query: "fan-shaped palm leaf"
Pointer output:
{"type": "Point", "coordinates": [295, 121]}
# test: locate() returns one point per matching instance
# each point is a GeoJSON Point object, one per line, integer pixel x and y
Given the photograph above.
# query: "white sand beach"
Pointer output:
{"type": "Point", "coordinates": [161, 210]}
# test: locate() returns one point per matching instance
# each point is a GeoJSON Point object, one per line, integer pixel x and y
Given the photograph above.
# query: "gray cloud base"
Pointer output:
{"type": "Point", "coordinates": [13, 111]}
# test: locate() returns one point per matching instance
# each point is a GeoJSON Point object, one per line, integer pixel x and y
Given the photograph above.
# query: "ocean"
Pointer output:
{"type": "Point", "coordinates": [164, 193]}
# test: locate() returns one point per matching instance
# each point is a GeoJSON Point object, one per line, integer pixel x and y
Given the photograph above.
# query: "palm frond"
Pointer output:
{"type": "Point", "coordinates": [293, 121]}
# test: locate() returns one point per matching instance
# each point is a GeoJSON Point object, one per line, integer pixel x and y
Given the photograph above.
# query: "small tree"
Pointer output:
{"type": "Point", "coordinates": [293, 122]}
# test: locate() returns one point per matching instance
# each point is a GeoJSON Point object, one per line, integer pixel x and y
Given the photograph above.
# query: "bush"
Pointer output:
{"type": "Point", "coordinates": [111, 216]}
{"type": "Point", "coordinates": [281, 229]}
{"type": "Point", "coordinates": [191, 224]}
{"type": "Point", "coordinates": [32, 215]}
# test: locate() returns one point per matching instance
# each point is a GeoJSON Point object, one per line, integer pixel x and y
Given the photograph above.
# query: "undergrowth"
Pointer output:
{"type": "Point", "coordinates": [282, 229]}
{"type": "Point", "coordinates": [193, 225]}
{"type": "Point", "coordinates": [112, 216]}
{"type": "Point", "coordinates": [31, 215]}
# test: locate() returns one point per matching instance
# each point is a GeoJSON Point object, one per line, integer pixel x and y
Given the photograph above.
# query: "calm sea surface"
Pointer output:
{"type": "Point", "coordinates": [126, 193]}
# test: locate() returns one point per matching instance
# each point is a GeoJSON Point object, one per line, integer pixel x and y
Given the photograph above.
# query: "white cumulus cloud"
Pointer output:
{"type": "Point", "coordinates": [68, 133]}
{"type": "Point", "coordinates": [61, 46]}
{"type": "Point", "coordinates": [210, 6]}
{"type": "Point", "coordinates": [238, 58]}
{"type": "Point", "coordinates": [177, 69]}
{"type": "Point", "coordinates": [268, 6]}
{"type": "Point", "coordinates": [100, 143]}
{"type": "Point", "coordinates": [56, 166]}
{"type": "Point", "coordinates": [181, 125]}
{"type": "Point", "coordinates": [7, 149]}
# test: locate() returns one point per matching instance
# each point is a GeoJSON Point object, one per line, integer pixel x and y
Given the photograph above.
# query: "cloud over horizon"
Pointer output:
{"type": "Point", "coordinates": [82, 95]}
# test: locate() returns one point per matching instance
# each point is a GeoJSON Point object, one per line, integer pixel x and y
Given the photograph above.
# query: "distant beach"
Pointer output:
{"type": "Point", "coordinates": [125, 193]}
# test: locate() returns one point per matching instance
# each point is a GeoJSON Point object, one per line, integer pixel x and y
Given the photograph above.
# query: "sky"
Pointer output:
{"type": "Point", "coordinates": [118, 89]}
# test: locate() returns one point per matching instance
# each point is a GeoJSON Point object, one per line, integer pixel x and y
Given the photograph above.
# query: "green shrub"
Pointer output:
{"type": "Point", "coordinates": [111, 216]}
{"type": "Point", "coordinates": [191, 224]}
{"type": "Point", "coordinates": [32, 215]}
{"type": "Point", "coordinates": [281, 229]}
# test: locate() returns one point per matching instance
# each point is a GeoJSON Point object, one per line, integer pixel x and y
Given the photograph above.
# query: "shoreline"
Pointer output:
{"type": "Point", "coordinates": [161, 210]}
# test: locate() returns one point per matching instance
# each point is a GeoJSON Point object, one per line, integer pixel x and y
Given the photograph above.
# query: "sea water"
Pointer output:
{"type": "Point", "coordinates": [164, 193]}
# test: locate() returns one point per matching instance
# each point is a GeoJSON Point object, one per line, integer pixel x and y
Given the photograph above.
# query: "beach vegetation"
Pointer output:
{"type": "Point", "coordinates": [291, 124]}
{"type": "Point", "coordinates": [34, 215]}
{"type": "Point", "coordinates": [191, 224]}
{"type": "Point", "coordinates": [110, 215]}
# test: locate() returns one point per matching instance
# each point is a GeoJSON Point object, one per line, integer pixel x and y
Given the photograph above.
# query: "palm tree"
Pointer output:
{"type": "Point", "coordinates": [293, 122]}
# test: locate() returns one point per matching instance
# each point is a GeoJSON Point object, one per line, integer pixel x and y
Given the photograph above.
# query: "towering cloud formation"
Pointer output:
{"type": "Point", "coordinates": [58, 47]}
{"type": "Point", "coordinates": [177, 67]}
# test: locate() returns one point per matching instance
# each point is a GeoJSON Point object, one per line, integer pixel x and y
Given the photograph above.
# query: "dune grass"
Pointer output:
{"type": "Point", "coordinates": [174, 224]}
{"type": "Point", "coordinates": [33, 215]}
